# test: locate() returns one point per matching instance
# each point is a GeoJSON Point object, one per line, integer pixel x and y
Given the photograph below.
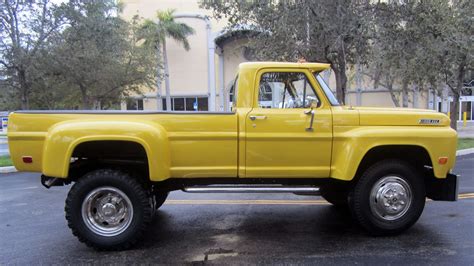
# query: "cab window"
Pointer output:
{"type": "Point", "coordinates": [286, 90]}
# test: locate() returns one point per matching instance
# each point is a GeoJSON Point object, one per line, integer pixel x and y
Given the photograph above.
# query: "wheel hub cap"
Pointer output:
{"type": "Point", "coordinates": [107, 211]}
{"type": "Point", "coordinates": [390, 198]}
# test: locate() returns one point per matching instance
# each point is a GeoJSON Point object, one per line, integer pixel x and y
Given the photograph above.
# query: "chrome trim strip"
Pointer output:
{"type": "Point", "coordinates": [251, 189]}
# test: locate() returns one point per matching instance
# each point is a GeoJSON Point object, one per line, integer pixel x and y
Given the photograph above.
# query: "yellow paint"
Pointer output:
{"type": "Point", "coordinates": [464, 119]}
{"type": "Point", "coordinates": [191, 145]}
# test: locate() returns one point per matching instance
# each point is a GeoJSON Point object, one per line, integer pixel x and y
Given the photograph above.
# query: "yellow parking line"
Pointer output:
{"type": "Point", "coordinates": [269, 202]}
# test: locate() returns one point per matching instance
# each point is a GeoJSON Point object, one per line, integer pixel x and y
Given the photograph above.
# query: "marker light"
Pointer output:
{"type": "Point", "coordinates": [442, 160]}
{"type": "Point", "coordinates": [27, 159]}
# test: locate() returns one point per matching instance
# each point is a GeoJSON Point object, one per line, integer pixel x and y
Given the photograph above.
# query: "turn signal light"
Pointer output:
{"type": "Point", "coordinates": [442, 160]}
{"type": "Point", "coordinates": [27, 159]}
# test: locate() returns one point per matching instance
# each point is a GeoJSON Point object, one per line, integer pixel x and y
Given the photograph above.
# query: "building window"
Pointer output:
{"type": "Point", "coordinates": [134, 104]}
{"type": "Point", "coordinates": [187, 104]}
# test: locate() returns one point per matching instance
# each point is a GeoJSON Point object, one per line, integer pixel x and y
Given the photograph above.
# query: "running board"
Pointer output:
{"type": "Point", "coordinates": [304, 190]}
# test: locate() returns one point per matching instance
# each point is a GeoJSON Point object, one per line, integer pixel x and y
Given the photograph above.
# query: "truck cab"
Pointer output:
{"type": "Point", "coordinates": [286, 132]}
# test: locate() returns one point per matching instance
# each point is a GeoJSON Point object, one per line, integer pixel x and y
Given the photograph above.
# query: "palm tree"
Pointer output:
{"type": "Point", "coordinates": [155, 33]}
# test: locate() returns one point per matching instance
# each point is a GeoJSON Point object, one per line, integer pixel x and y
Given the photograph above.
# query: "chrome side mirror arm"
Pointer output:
{"type": "Point", "coordinates": [310, 112]}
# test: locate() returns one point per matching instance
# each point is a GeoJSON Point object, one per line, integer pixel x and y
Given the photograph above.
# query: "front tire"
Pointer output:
{"type": "Point", "coordinates": [108, 210]}
{"type": "Point", "coordinates": [389, 198]}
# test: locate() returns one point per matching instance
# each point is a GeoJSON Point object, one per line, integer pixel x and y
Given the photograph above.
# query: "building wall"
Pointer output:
{"type": "Point", "coordinates": [189, 69]}
{"type": "Point", "coordinates": [382, 98]}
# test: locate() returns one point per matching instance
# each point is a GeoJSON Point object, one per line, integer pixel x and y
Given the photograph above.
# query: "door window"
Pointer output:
{"type": "Point", "coordinates": [286, 90]}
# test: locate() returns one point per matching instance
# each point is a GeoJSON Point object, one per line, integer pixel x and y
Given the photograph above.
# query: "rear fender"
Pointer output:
{"type": "Point", "coordinates": [64, 137]}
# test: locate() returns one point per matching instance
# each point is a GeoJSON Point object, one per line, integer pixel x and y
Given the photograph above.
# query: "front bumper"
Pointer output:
{"type": "Point", "coordinates": [443, 189]}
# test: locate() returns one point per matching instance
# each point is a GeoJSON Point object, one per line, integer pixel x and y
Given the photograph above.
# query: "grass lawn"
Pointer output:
{"type": "Point", "coordinates": [5, 161]}
{"type": "Point", "coordinates": [465, 144]}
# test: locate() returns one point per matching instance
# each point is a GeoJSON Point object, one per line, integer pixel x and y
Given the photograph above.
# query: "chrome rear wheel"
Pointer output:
{"type": "Point", "coordinates": [107, 211]}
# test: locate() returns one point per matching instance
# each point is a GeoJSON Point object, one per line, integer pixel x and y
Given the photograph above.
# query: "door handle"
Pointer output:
{"type": "Point", "coordinates": [257, 117]}
{"type": "Point", "coordinates": [310, 112]}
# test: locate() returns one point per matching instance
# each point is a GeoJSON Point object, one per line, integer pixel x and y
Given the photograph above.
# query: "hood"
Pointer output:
{"type": "Point", "coordinates": [376, 116]}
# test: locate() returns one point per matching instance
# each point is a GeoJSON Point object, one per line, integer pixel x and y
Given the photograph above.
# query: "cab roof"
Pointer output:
{"type": "Point", "coordinates": [315, 67]}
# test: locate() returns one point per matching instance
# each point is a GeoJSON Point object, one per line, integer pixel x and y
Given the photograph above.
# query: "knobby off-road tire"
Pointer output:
{"type": "Point", "coordinates": [108, 210]}
{"type": "Point", "coordinates": [388, 198]}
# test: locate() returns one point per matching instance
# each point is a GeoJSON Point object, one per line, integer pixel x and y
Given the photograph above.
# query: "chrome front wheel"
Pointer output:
{"type": "Point", "coordinates": [390, 198]}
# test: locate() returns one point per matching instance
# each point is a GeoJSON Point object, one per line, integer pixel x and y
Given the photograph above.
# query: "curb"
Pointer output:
{"type": "Point", "coordinates": [7, 169]}
{"type": "Point", "coordinates": [464, 152]}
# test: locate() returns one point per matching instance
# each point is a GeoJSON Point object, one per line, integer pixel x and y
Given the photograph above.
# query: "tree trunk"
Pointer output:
{"type": "Point", "coordinates": [405, 93]}
{"type": "Point", "coordinates": [24, 90]}
{"type": "Point", "coordinates": [341, 80]}
{"type": "Point", "coordinates": [85, 98]}
{"type": "Point", "coordinates": [167, 77]}
{"type": "Point", "coordinates": [395, 100]}
{"type": "Point", "coordinates": [416, 91]}
{"type": "Point", "coordinates": [159, 102]}
{"type": "Point", "coordinates": [454, 111]}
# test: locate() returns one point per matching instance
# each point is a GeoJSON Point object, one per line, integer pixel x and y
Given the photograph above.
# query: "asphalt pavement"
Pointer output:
{"type": "Point", "coordinates": [237, 229]}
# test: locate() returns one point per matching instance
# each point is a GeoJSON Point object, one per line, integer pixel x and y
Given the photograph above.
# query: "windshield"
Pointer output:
{"type": "Point", "coordinates": [327, 90]}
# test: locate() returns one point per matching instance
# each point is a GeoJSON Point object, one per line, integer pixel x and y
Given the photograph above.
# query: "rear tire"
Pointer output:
{"type": "Point", "coordinates": [389, 198]}
{"type": "Point", "coordinates": [108, 210]}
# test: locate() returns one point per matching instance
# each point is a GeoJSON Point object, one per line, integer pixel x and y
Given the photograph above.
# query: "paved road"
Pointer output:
{"type": "Point", "coordinates": [237, 229]}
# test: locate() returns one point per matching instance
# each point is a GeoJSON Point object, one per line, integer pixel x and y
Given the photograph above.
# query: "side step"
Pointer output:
{"type": "Point", "coordinates": [303, 190]}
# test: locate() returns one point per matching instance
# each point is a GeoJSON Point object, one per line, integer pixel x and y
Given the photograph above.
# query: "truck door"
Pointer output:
{"type": "Point", "coordinates": [289, 129]}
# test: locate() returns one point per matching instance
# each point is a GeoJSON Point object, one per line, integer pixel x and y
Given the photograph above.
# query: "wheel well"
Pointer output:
{"type": "Point", "coordinates": [417, 156]}
{"type": "Point", "coordinates": [127, 155]}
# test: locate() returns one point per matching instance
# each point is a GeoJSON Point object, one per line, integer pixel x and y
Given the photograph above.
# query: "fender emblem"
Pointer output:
{"type": "Point", "coordinates": [429, 121]}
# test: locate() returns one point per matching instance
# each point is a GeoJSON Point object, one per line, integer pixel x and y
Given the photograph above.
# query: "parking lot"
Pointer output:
{"type": "Point", "coordinates": [237, 228]}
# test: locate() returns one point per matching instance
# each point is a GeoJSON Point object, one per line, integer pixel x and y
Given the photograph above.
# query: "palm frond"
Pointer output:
{"type": "Point", "coordinates": [179, 32]}
{"type": "Point", "coordinates": [154, 32]}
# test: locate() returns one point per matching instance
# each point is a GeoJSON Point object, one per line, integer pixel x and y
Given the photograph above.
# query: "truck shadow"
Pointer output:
{"type": "Point", "coordinates": [202, 233]}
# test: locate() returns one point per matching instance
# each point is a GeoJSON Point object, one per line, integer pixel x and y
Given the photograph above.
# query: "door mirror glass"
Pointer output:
{"type": "Point", "coordinates": [314, 103]}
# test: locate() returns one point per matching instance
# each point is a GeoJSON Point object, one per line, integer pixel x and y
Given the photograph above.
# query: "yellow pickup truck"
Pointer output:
{"type": "Point", "coordinates": [286, 133]}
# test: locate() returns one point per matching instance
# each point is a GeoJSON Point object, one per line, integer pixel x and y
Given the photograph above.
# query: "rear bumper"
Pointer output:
{"type": "Point", "coordinates": [445, 189]}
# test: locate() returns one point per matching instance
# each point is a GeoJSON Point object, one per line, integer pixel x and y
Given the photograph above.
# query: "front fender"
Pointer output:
{"type": "Point", "coordinates": [64, 137]}
{"type": "Point", "coordinates": [351, 144]}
